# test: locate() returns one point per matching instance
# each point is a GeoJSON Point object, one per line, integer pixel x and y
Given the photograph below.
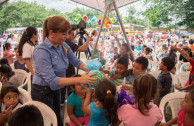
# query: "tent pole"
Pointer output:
{"type": "Point", "coordinates": [123, 29]}
{"type": "Point", "coordinates": [96, 44]}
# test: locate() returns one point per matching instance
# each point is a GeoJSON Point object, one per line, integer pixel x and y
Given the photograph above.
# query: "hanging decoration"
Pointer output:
{"type": "Point", "coordinates": [85, 18]}
{"type": "Point", "coordinates": [117, 19]}
{"type": "Point", "coordinates": [106, 21]}
{"type": "Point", "coordinates": [78, 16]}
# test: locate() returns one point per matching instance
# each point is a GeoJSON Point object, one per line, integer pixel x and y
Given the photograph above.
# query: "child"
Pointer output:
{"type": "Point", "coordinates": [104, 110]}
{"type": "Point", "coordinates": [164, 77]}
{"type": "Point", "coordinates": [74, 105]}
{"type": "Point", "coordinates": [28, 115]}
{"type": "Point", "coordinates": [186, 113]}
{"type": "Point", "coordinates": [138, 47]}
{"type": "Point", "coordinates": [8, 53]}
{"type": "Point", "coordinates": [8, 76]}
{"type": "Point", "coordinates": [101, 58]}
{"type": "Point", "coordinates": [142, 113]}
{"type": "Point", "coordinates": [10, 101]}
{"type": "Point", "coordinates": [190, 83]}
{"type": "Point", "coordinates": [164, 53]}
{"type": "Point", "coordinates": [121, 67]}
{"type": "Point", "coordinates": [148, 53]}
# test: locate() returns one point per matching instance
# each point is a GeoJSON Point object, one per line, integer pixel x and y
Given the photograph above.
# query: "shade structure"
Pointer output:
{"type": "Point", "coordinates": [100, 4]}
{"type": "Point", "coordinates": [2, 1]}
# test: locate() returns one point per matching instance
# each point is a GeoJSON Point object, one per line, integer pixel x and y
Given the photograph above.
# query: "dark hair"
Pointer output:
{"type": "Point", "coordinates": [105, 92]}
{"type": "Point", "coordinates": [26, 36]}
{"type": "Point", "coordinates": [144, 45]}
{"type": "Point", "coordinates": [145, 87]}
{"type": "Point", "coordinates": [148, 49]}
{"type": "Point", "coordinates": [4, 61]}
{"type": "Point", "coordinates": [75, 75]}
{"type": "Point", "coordinates": [143, 61]}
{"type": "Point", "coordinates": [6, 69]}
{"type": "Point", "coordinates": [168, 62]}
{"type": "Point", "coordinates": [186, 48]}
{"type": "Point", "coordinates": [56, 24]}
{"type": "Point", "coordinates": [8, 88]}
{"type": "Point", "coordinates": [191, 92]}
{"type": "Point", "coordinates": [191, 41]}
{"type": "Point", "coordinates": [28, 115]}
{"type": "Point", "coordinates": [7, 45]}
{"type": "Point", "coordinates": [123, 61]}
{"type": "Point", "coordinates": [93, 32]}
{"type": "Point", "coordinates": [164, 45]}
{"type": "Point", "coordinates": [126, 46]}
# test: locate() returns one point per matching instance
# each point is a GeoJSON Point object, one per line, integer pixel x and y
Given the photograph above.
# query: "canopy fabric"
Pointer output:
{"type": "Point", "coordinates": [2, 1]}
{"type": "Point", "coordinates": [100, 4]}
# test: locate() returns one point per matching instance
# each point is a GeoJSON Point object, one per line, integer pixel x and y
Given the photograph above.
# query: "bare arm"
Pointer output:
{"type": "Point", "coordinates": [72, 116]}
{"type": "Point", "coordinates": [169, 123]}
{"type": "Point", "coordinates": [29, 66]}
{"type": "Point", "coordinates": [185, 88]}
{"type": "Point", "coordinates": [86, 107]}
{"type": "Point", "coordinates": [85, 46]}
{"type": "Point", "coordinates": [185, 55]}
{"type": "Point", "coordinates": [82, 67]}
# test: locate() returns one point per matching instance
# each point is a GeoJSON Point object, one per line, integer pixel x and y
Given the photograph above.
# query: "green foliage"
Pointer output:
{"type": "Point", "coordinates": [170, 13]}
{"type": "Point", "coordinates": [24, 14]}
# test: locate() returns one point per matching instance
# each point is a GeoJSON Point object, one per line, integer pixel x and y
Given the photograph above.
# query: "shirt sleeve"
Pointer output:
{"type": "Point", "coordinates": [191, 62]}
{"type": "Point", "coordinates": [26, 51]}
{"type": "Point", "coordinates": [44, 68]}
{"type": "Point", "coordinates": [70, 100]}
{"type": "Point", "coordinates": [167, 84]}
{"type": "Point", "coordinates": [74, 46]}
{"type": "Point", "coordinates": [72, 58]}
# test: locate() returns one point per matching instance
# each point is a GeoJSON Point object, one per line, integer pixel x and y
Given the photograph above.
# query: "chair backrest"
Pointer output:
{"type": "Point", "coordinates": [22, 77]}
{"type": "Point", "coordinates": [182, 78]}
{"type": "Point", "coordinates": [173, 99]}
{"type": "Point", "coordinates": [12, 66]}
{"type": "Point", "coordinates": [24, 95]}
{"type": "Point", "coordinates": [155, 73]}
{"type": "Point", "coordinates": [186, 65]}
{"type": "Point", "coordinates": [29, 82]}
{"type": "Point", "coordinates": [47, 113]}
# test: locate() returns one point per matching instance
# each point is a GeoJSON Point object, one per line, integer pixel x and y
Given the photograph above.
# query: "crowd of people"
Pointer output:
{"type": "Point", "coordinates": [52, 66]}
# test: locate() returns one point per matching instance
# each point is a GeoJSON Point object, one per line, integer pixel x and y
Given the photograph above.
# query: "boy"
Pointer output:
{"type": "Point", "coordinates": [164, 77]}
{"type": "Point", "coordinates": [115, 75]}
{"type": "Point", "coordinates": [138, 47]}
{"type": "Point", "coordinates": [164, 53]}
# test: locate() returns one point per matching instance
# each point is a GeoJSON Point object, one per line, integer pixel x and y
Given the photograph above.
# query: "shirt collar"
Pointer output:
{"type": "Point", "coordinates": [49, 44]}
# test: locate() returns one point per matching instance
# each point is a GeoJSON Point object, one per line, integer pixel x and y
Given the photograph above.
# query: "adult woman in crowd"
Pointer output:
{"type": "Point", "coordinates": [27, 44]}
{"type": "Point", "coordinates": [8, 53]}
{"type": "Point", "coordinates": [52, 59]}
{"type": "Point", "coordinates": [94, 37]}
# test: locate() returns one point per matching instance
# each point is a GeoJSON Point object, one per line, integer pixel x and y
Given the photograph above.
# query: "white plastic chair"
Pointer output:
{"type": "Point", "coordinates": [22, 77]}
{"type": "Point", "coordinates": [12, 66]}
{"type": "Point", "coordinates": [47, 113]}
{"type": "Point", "coordinates": [187, 64]}
{"type": "Point", "coordinates": [155, 73]}
{"type": "Point", "coordinates": [182, 78]}
{"type": "Point", "coordinates": [24, 96]}
{"type": "Point", "coordinates": [174, 101]}
{"type": "Point", "coordinates": [29, 82]}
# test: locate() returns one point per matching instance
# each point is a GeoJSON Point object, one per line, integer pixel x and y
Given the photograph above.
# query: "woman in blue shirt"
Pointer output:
{"type": "Point", "coordinates": [51, 62]}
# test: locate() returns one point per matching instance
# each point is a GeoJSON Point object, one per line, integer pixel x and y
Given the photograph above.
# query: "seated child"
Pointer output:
{"type": "Point", "coordinates": [101, 58]}
{"type": "Point", "coordinates": [190, 83]}
{"type": "Point", "coordinates": [164, 53]}
{"type": "Point", "coordinates": [26, 116]}
{"type": "Point", "coordinates": [10, 102]}
{"type": "Point", "coordinates": [148, 53]}
{"type": "Point", "coordinates": [142, 113]}
{"type": "Point", "coordinates": [8, 76]}
{"type": "Point", "coordinates": [74, 105]}
{"type": "Point", "coordinates": [103, 112]}
{"type": "Point", "coordinates": [164, 77]}
{"type": "Point", "coordinates": [186, 113]}
{"type": "Point", "coordinates": [138, 47]}
{"type": "Point", "coordinates": [121, 67]}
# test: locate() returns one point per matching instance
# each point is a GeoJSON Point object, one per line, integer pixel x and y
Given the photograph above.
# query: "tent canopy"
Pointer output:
{"type": "Point", "coordinates": [100, 4]}
{"type": "Point", "coordinates": [2, 1]}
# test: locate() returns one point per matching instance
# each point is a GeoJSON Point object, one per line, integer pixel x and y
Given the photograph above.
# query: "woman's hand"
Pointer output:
{"type": "Point", "coordinates": [86, 79]}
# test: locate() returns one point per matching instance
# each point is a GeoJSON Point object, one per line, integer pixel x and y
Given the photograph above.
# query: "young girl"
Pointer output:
{"type": "Point", "coordinates": [8, 76]}
{"type": "Point", "coordinates": [74, 105]}
{"type": "Point", "coordinates": [8, 53]}
{"type": "Point", "coordinates": [142, 113]}
{"type": "Point", "coordinates": [148, 53]}
{"type": "Point", "coordinates": [101, 58]}
{"type": "Point", "coordinates": [103, 112]}
{"type": "Point", "coordinates": [186, 113]}
{"type": "Point", "coordinates": [10, 102]}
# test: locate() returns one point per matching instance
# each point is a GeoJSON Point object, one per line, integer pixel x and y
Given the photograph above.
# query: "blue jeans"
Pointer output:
{"type": "Point", "coordinates": [49, 97]}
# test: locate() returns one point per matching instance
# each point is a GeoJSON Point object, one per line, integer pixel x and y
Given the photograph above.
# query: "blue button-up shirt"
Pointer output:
{"type": "Point", "coordinates": [51, 63]}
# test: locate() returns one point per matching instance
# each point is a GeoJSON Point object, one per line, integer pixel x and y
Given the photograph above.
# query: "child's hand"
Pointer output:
{"type": "Point", "coordinates": [116, 76]}
{"type": "Point", "coordinates": [88, 90]}
{"type": "Point", "coordinates": [126, 87]}
{"type": "Point", "coordinates": [180, 88]}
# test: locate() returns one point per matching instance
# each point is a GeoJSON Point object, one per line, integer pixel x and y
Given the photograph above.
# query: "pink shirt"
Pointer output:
{"type": "Point", "coordinates": [131, 116]}
{"type": "Point", "coordinates": [10, 58]}
{"type": "Point", "coordinates": [181, 119]}
{"type": "Point", "coordinates": [191, 76]}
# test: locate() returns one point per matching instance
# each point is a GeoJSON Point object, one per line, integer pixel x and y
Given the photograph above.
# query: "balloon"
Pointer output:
{"type": "Point", "coordinates": [93, 20]}
{"type": "Point", "coordinates": [78, 16]}
{"type": "Point", "coordinates": [111, 20]}
{"type": "Point", "coordinates": [106, 21]}
{"type": "Point", "coordinates": [117, 19]}
{"type": "Point", "coordinates": [107, 26]}
{"type": "Point", "coordinates": [99, 22]}
{"type": "Point", "coordinates": [85, 18]}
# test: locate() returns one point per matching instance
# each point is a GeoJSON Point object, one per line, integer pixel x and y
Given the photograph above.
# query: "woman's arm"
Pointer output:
{"type": "Point", "coordinates": [185, 55]}
{"type": "Point", "coordinates": [85, 106]}
{"type": "Point", "coordinates": [169, 123]}
{"type": "Point", "coordinates": [82, 67]}
{"type": "Point", "coordinates": [29, 66]}
{"type": "Point", "coordinates": [185, 88]}
{"type": "Point", "coordinates": [72, 116]}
